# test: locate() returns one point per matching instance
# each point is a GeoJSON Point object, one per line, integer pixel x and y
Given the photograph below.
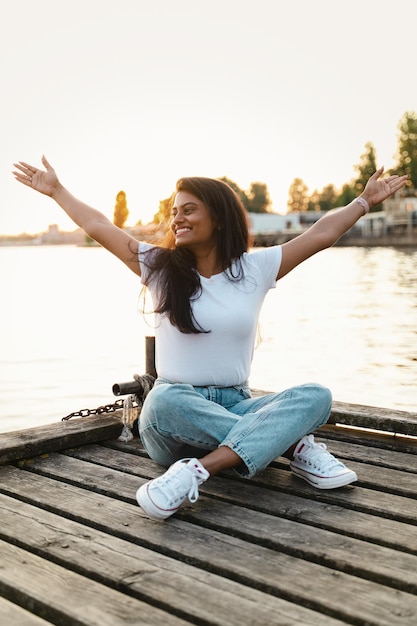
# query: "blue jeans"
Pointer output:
{"type": "Point", "coordinates": [178, 420]}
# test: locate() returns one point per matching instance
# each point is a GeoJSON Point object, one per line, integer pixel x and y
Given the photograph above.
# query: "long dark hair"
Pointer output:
{"type": "Point", "coordinates": [176, 268]}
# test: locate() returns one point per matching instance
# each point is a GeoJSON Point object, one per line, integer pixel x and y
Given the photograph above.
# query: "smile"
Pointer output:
{"type": "Point", "coordinates": [181, 231]}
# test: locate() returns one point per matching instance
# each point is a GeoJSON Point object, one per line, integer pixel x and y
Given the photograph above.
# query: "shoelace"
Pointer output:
{"type": "Point", "coordinates": [320, 457]}
{"type": "Point", "coordinates": [175, 487]}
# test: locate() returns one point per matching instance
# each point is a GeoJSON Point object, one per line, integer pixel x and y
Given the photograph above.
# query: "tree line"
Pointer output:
{"type": "Point", "coordinates": [299, 198]}
{"type": "Point", "coordinates": [257, 199]}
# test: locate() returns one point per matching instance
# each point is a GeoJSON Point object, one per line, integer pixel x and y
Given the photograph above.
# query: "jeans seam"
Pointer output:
{"type": "Point", "coordinates": [168, 435]}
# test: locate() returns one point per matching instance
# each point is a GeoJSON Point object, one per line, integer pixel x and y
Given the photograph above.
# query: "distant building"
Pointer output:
{"type": "Point", "coordinates": [401, 211]}
{"type": "Point", "coordinates": [54, 236]}
{"type": "Point", "coordinates": [269, 229]}
{"type": "Point", "coordinates": [265, 223]}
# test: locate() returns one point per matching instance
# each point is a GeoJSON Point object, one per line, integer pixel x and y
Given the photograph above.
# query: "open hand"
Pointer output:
{"type": "Point", "coordinates": [45, 181]}
{"type": "Point", "coordinates": [378, 190]}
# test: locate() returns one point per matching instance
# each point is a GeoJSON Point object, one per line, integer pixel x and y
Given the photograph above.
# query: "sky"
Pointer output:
{"type": "Point", "coordinates": [132, 95]}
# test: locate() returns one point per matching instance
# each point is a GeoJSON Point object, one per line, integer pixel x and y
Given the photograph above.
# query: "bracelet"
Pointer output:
{"type": "Point", "coordinates": [363, 204]}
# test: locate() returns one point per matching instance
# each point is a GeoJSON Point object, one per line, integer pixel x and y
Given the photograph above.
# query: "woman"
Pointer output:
{"type": "Point", "coordinates": [207, 290]}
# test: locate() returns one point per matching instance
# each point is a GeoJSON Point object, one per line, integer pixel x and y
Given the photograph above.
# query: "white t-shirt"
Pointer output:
{"type": "Point", "coordinates": [226, 308]}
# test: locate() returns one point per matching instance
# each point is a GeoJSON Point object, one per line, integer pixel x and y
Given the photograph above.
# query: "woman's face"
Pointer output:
{"type": "Point", "coordinates": [191, 222]}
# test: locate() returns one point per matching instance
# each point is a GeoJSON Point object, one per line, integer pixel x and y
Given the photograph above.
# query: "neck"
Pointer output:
{"type": "Point", "coordinates": [207, 263]}
{"type": "Point", "coordinates": [207, 268]}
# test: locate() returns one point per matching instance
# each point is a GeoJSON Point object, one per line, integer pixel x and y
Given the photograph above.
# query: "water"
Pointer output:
{"type": "Point", "coordinates": [71, 327]}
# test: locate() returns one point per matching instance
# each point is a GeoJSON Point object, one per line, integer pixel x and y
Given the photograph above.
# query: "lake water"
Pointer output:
{"type": "Point", "coordinates": [71, 328]}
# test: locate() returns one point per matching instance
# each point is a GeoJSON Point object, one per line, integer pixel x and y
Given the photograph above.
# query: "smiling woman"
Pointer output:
{"type": "Point", "coordinates": [208, 290]}
{"type": "Point", "coordinates": [193, 218]}
{"type": "Point", "coordinates": [216, 220]}
{"type": "Point", "coordinates": [208, 233]}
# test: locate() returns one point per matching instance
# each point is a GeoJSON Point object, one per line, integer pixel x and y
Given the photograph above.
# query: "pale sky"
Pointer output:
{"type": "Point", "coordinates": [132, 95]}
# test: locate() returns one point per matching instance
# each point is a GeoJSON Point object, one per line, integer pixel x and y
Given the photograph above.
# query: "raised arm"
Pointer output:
{"type": "Point", "coordinates": [94, 223]}
{"type": "Point", "coordinates": [329, 228]}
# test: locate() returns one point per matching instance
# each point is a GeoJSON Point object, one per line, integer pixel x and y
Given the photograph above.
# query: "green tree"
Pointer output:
{"type": "Point", "coordinates": [327, 198]}
{"type": "Point", "coordinates": [121, 211]}
{"type": "Point", "coordinates": [330, 198]}
{"type": "Point", "coordinates": [406, 155]}
{"type": "Point", "coordinates": [346, 194]}
{"type": "Point", "coordinates": [259, 200]}
{"type": "Point", "coordinates": [365, 168]}
{"type": "Point", "coordinates": [313, 203]}
{"type": "Point", "coordinates": [164, 212]}
{"type": "Point", "coordinates": [240, 192]}
{"type": "Point", "coordinates": [298, 199]}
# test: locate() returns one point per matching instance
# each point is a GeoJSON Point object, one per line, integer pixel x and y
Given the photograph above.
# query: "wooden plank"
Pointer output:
{"type": "Point", "coordinates": [383, 479]}
{"type": "Point", "coordinates": [13, 615]}
{"type": "Point", "coordinates": [316, 544]}
{"type": "Point", "coordinates": [390, 420]}
{"type": "Point", "coordinates": [273, 542]}
{"type": "Point", "coordinates": [369, 463]}
{"type": "Point", "coordinates": [42, 439]}
{"type": "Point", "coordinates": [274, 572]}
{"type": "Point", "coordinates": [367, 500]}
{"type": "Point", "coordinates": [192, 593]}
{"type": "Point", "coordinates": [371, 417]}
{"type": "Point", "coordinates": [370, 501]}
{"type": "Point", "coordinates": [62, 597]}
{"type": "Point", "coordinates": [289, 505]}
{"type": "Point", "coordinates": [380, 457]}
{"type": "Point", "coordinates": [370, 438]}
{"type": "Point", "coordinates": [298, 502]}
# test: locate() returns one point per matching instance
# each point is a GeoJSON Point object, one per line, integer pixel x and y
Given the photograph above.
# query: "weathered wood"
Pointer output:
{"type": "Point", "coordinates": [368, 461]}
{"type": "Point", "coordinates": [397, 452]}
{"type": "Point", "coordinates": [271, 551]}
{"type": "Point", "coordinates": [143, 573]}
{"type": "Point", "coordinates": [371, 438]}
{"type": "Point", "coordinates": [271, 570]}
{"type": "Point", "coordinates": [372, 501]}
{"type": "Point", "coordinates": [150, 356]}
{"type": "Point", "coordinates": [61, 596]}
{"type": "Point", "coordinates": [58, 436]}
{"type": "Point", "coordinates": [13, 615]}
{"type": "Point", "coordinates": [389, 420]}
{"type": "Point", "coordinates": [322, 546]}
{"type": "Point", "coordinates": [369, 417]}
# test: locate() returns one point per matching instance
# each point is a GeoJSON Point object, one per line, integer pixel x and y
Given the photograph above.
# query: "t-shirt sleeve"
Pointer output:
{"type": "Point", "coordinates": [268, 262]}
{"type": "Point", "coordinates": [145, 251]}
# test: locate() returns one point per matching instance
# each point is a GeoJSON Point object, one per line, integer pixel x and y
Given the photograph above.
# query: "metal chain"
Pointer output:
{"type": "Point", "coordinates": [145, 383]}
{"type": "Point", "coordinates": [106, 408]}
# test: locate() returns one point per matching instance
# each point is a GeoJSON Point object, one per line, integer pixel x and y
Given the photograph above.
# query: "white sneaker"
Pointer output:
{"type": "Point", "coordinates": [163, 496]}
{"type": "Point", "coordinates": [314, 463]}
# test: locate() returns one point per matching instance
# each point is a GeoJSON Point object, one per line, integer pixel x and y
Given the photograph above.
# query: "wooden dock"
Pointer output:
{"type": "Point", "coordinates": [75, 549]}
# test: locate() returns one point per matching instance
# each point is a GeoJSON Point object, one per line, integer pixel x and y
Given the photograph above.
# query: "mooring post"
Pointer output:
{"type": "Point", "coordinates": [150, 355]}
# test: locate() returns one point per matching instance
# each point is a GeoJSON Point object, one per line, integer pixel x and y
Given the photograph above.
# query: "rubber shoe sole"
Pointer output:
{"type": "Point", "coordinates": [151, 509]}
{"type": "Point", "coordinates": [325, 482]}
